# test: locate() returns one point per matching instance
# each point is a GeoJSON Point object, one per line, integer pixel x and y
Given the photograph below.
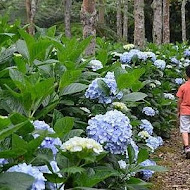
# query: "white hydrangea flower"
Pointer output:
{"type": "Point", "coordinates": [78, 144]}
{"type": "Point", "coordinates": [128, 46]}
{"type": "Point", "coordinates": [95, 65]}
{"type": "Point", "coordinates": [116, 54]}
{"type": "Point", "coordinates": [169, 96]}
{"type": "Point", "coordinates": [120, 106]}
{"type": "Point", "coordinates": [157, 82]}
{"type": "Point", "coordinates": [169, 66]}
{"type": "Point", "coordinates": [144, 134]}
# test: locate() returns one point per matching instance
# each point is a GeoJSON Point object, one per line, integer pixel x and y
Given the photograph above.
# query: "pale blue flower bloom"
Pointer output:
{"type": "Point", "coordinates": [146, 126]}
{"type": "Point", "coordinates": [169, 96]}
{"type": "Point", "coordinates": [179, 81]}
{"type": "Point", "coordinates": [95, 65]}
{"type": "Point", "coordinates": [94, 92]}
{"type": "Point", "coordinates": [187, 53]}
{"type": "Point", "coordinates": [3, 161]}
{"type": "Point", "coordinates": [175, 60]}
{"type": "Point", "coordinates": [160, 64]}
{"type": "Point", "coordinates": [147, 174]}
{"type": "Point", "coordinates": [149, 111]}
{"type": "Point", "coordinates": [48, 142]}
{"type": "Point", "coordinates": [39, 183]}
{"type": "Point", "coordinates": [154, 142]}
{"type": "Point", "coordinates": [113, 130]}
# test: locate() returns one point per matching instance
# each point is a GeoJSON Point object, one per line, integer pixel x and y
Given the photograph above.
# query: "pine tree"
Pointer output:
{"type": "Point", "coordinates": [183, 20]}
{"type": "Point", "coordinates": [125, 20]}
{"type": "Point", "coordinates": [166, 21]}
{"type": "Point", "coordinates": [119, 19]}
{"type": "Point", "coordinates": [67, 15]}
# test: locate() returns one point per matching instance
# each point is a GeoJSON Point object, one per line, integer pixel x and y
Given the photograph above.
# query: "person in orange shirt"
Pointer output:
{"type": "Point", "coordinates": [183, 95]}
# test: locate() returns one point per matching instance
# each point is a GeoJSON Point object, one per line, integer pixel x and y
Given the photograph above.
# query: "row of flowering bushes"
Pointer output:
{"type": "Point", "coordinates": [69, 121]}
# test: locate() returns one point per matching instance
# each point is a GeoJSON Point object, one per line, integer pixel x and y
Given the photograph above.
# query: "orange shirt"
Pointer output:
{"type": "Point", "coordinates": [184, 94]}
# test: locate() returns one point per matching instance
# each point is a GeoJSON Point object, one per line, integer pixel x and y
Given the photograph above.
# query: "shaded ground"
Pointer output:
{"type": "Point", "coordinates": [178, 176]}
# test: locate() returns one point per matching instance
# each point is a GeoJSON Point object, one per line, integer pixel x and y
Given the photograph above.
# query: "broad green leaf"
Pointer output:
{"type": "Point", "coordinates": [4, 122]}
{"type": "Point", "coordinates": [155, 168]}
{"type": "Point", "coordinates": [142, 155]}
{"type": "Point", "coordinates": [7, 54]}
{"type": "Point", "coordinates": [17, 141]}
{"type": "Point", "coordinates": [104, 87]}
{"type": "Point", "coordinates": [22, 49]}
{"type": "Point", "coordinates": [16, 181]}
{"type": "Point", "coordinates": [13, 153]}
{"type": "Point", "coordinates": [71, 134]}
{"type": "Point", "coordinates": [135, 96]}
{"type": "Point", "coordinates": [10, 130]}
{"type": "Point", "coordinates": [73, 170]}
{"type": "Point", "coordinates": [102, 56]}
{"type": "Point", "coordinates": [73, 88]}
{"type": "Point", "coordinates": [131, 154]}
{"type": "Point", "coordinates": [63, 126]}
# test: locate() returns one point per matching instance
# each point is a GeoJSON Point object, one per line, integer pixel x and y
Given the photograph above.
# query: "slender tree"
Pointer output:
{"type": "Point", "coordinates": [139, 32]}
{"type": "Point", "coordinates": [31, 6]}
{"type": "Point", "coordinates": [67, 14]}
{"type": "Point", "coordinates": [119, 19]}
{"type": "Point", "coordinates": [101, 12]}
{"type": "Point", "coordinates": [125, 20]}
{"type": "Point", "coordinates": [88, 19]}
{"type": "Point", "coordinates": [183, 20]}
{"type": "Point", "coordinates": [157, 21]}
{"type": "Point", "coordinates": [166, 21]}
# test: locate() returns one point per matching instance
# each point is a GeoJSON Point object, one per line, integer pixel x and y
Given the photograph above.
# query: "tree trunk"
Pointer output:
{"type": "Point", "coordinates": [88, 19]}
{"type": "Point", "coordinates": [139, 33]}
{"type": "Point", "coordinates": [183, 20]}
{"type": "Point", "coordinates": [119, 19]}
{"type": "Point", "coordinates": [157, 21]}
{"type": "Point", "coordinates": [31, 11]}
{"type": "Point", "coordinates": [166, 21]}
{"type": "Point", "coordinates": [67, 12]}
{"type": "Point", "coordinates": [125, 20]}
{"type": "Point", "coordinates": [101, 14]}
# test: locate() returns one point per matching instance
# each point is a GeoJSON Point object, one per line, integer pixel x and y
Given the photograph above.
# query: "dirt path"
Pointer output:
{"type": "Point", "coordinates": [170, 155]}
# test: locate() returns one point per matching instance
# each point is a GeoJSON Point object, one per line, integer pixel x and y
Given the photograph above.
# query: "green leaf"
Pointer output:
{"type": "Point", "coordinates": [16, 181]}
{"type": "Point", "coordinates": [73, 170]}
{"type": "Point", "coordinates": [63, 126]}
{"type": "Point", "coordinates": [17, 141]}
{"type": "Point", "coordinates": [131, 154]}
{"type": "Point", "coordinates": [155, 168]}
{"type": "Point", "coordinates": [71, 134]}
{"type": "Point", "coordinates": [102, 56]}
{"type": "Point", "coordinates": [73, 88]}
{"type": "Point", "coordinates": [10, 130]}
{"type": "Point", "coordinates": [12, 153]}
{"type": "Point", "coordinates": [104, 87]}
{"type": "Point", "coordinates": [135, 96]}
{"type": "Point", "coordinates": [142, 155]}
{"type": "Point", "coordinates": [22, 48]}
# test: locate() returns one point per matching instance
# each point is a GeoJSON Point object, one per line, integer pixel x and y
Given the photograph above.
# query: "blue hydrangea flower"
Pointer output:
{"type": "Point", "coordinates": [154, 142]}
{"type": "Point", "coordinates": [94, 92]}
{"type": "Point", "coordinates": [179, 81]}
{"type": "Point", "coordinates": [151, 55]}
{"type": "Point", "coordinates": [39, 183]}
{"type": "Point", "coordinates": [149, 111]}
{"type": "Point", "coordinates": [169, 96]}
{"type": "Point", "coordinates": [55, 168]}
{"type": "Point", "coordinates": [174, 60]}
{"type": "Point", "coordinates": [186, 53]}
{"type": "Point", "coordinates": [160, 64]}
{"type": "Point", "coordinates": [113, 130]}
{"type": "Point", "coordinates": [48, 142]}
{"type": "Point", "coordinates": [146, 126]}
{"type": "Point", "coordinates": [147, 174]}
{"type": "Point", "coordinates": [95, 65]}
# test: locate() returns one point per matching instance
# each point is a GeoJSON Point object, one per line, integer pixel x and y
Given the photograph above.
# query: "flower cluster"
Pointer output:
{"type": "Point", "coordinates": [154, 142]}
{"type": "Point", "coordinates": [78, 144]}
{"type": "Point", "coordinates": [95, 65]}
{"type": "Point", "coordinates": [120, 106]}
{"type": "Point", "coordinates": [128, 46]}
{"type": "Point", "coordinates": [151, 55]}
{"type": "Point", "coordinates": [149, 111]}
{"type": "Point", "coordinates": [143, 134]}
{"type": "Point", "coordinates": [174, 60]}
{"type": "Point", "coordinates": [186, 53]}
{"type": "Point", "coordinates": [112, 129]}
{"type": "Point", "coordinates": [48, 142]}
{"type": "Point", "coordinates": [147, 174]}
{"type": "Point", "coordinates": [169, 96]}
{"type": "Point", "coordinates": [160, 64]}
{"type": "Point", "coordinates": [95, 92]}
{"type": "Point", "coordinates": [39, 183]}
{"type": "Point", "coordinates": [179, 81]}
{"type": "Point", "coordinates": [143, 56]}
{"type": "Point", "coordinates": [3, 161]}
{"type": "Point", "coordinates": [146, 126]}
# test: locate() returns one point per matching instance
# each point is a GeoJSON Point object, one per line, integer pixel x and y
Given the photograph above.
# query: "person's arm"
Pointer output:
{"type": "Point", "coordinates": [178, 106]}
